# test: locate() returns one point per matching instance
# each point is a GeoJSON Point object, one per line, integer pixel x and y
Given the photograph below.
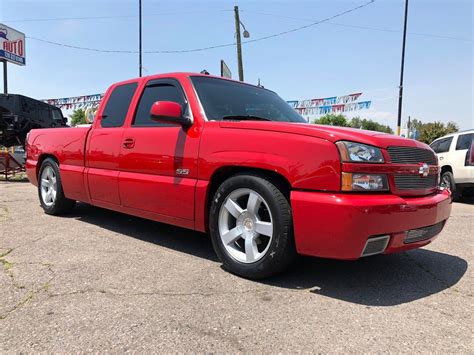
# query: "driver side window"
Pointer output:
{"type": "Point", "coordinates": [164, 91]}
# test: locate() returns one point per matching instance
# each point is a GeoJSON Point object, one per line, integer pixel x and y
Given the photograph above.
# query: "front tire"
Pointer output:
{"type": "Point", "coordinates": [447, 180]}
{"type": "Point", "coordinates": [50, 189]}
{"type": "Point", "coordinates": [251, 227]}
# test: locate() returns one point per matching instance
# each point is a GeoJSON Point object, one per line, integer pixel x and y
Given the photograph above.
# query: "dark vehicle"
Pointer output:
{"type": "Point", "coordinates": [19, 114]}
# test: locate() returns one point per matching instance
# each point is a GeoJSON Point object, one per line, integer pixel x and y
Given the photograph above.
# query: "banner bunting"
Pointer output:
{"type": "Point", "coordinates": [76, 102]}
{"type": "Point", "coordinates": [322, 106]}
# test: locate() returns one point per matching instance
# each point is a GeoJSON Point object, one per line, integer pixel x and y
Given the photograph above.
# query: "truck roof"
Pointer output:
{"type": "Point", "coordinates": [182, 75]}
{"type": "Point", "coordinates": [39, 102]}
{"type": "Point", "coordinates": [466, 131]}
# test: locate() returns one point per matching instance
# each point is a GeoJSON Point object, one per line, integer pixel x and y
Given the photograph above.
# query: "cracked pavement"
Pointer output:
{"type": "Point", "coordinates": [98, 280]}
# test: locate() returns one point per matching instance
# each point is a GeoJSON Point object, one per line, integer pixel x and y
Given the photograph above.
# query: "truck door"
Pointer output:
{"type": "Point", "coordinates": [158, 162]}
{"type": "Point", "coordinates": [462, 172]}
{"type": "Point", "coordinates": [102, 155]}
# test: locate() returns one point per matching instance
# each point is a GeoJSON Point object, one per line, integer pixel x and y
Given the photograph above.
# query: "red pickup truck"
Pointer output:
{"type": "Point", "coordinates": [235, 160]}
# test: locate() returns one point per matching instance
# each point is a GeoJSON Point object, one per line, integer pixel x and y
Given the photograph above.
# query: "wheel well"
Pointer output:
{"type": "Point", "coordinates": [223, 174]}
{"type": "Point", "coordinates": [446, 168]}
{"type": "Point", "coordinates": [42, 158]}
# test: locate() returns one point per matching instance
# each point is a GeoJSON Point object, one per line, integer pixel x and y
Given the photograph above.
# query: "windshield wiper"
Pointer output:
{"type": "Point", "coordinates": [245, 118]}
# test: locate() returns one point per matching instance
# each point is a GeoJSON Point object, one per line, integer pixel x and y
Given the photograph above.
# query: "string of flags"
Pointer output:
{"type": "Point", "coordinates": [76, 102]}
{"type": "Point", "coordinates": [314, 107]}
{"type": "Point", "coordinates": [307, 108]}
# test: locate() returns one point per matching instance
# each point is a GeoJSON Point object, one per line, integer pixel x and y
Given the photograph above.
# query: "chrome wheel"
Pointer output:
{"type": "Point", "coordinates": [245, 225]}
{"type": "Point", "coordinates": [445, 181]}
{"type": "Point", "coordinates": [49, 186]}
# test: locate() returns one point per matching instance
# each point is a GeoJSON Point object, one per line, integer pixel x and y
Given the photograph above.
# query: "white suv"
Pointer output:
{"type": "Point", "coordinates": [456, 158]}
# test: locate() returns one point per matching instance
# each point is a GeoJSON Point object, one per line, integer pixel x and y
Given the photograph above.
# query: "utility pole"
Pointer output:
{"type": "Point", "coordinates": [5, 79]}
{"type": "Point", "coordinates": [140, 38]}
{"type": "Point", "coordinates": [239, 43]}
{"type": "Point", "coordinates": [409, 127]}
{"type": "Point", "coordinates": [400, 96]}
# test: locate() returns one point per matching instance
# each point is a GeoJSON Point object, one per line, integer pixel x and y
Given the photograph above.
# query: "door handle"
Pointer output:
{"type": "Point", "coordinates": [128, 143]}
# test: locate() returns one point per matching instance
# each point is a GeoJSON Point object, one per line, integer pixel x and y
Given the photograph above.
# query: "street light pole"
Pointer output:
{"type": "Point", "coordinates": [5, 78]}
{"type": "Point", "coordinates": [239, 43]}
{"type": "Point", "coordinates": [140, 38]}
{"type": "Point", "coordinates": [400, 95]}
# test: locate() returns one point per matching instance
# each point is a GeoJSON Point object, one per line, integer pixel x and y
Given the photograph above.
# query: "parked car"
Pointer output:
{"type": "Point", "coordinates": [456, 158]}
{"type": "Point", "coordinates": [19, 114]}
{"type": "Point", "coordinates": [235, 160]}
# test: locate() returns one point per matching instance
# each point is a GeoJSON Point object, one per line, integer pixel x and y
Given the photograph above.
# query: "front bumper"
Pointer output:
{"type": "Point", "coordinates": [338, 225]}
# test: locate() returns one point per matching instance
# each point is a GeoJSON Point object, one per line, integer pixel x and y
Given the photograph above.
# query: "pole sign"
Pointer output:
{"type": "Point", "coordinates": [225, 71]}
{"type": "Point", "coordinates": [12, 45]}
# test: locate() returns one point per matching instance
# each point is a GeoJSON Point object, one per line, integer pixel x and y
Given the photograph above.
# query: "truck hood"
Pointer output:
{"type": "Point", "coordinates": [330, 133]}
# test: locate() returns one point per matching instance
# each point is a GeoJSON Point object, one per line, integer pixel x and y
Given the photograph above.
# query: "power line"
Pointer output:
{"type": "Point", "coordinates": [129, 51]}
{"type": "Point", "coordinates": [397, 31]}
{"type": "Point", "coordinates": [113, 17]}
{"type": "Point", "coordinates": [312, 24]}
{"type": "Point", "coordinates": [209, 47]}
{"type": "Point", "coordinates": [81, 48]}
{"type": "Point", "coordinates": [362, 27]}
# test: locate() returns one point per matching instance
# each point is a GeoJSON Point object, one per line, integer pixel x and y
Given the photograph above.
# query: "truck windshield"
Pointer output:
{"type": "Point", "coordinates": [224, 99]}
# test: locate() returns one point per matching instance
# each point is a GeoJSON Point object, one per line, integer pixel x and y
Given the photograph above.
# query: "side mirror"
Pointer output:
{"type": "Point", "coordinates": [168, 112]}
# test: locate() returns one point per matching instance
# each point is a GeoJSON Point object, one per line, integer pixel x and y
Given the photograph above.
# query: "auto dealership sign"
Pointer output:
{"type": "Point", "coordinates": [12, 45]}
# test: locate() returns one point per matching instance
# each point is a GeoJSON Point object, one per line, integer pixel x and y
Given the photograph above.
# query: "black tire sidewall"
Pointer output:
{"type": "Point", "coordinates": [59, 203]}
{"type": "Point", "coordinates": [281, 249]}
{"type": "Point", "coordinates": [452, 185]}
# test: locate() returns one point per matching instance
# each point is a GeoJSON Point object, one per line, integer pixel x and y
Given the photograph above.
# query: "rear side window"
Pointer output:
{"type": "Point", "coordinates": [44, 113]}
{"type": "Point", "coordinates": [164, 91]}
{"type": "Point", "coordinates": [435, 146]}
{"type": "Point", "coordinates": [117, 105]}
{"type": "Point", "coordinates": [464, 141]}
{"type": "Point", "coordinates": [442, 146]}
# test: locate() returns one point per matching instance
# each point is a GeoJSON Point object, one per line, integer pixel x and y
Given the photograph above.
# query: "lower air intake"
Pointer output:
{"type": "Point", "coordinates": [416, 235]}
{"type": "Point", "coordinates": [376, 245]}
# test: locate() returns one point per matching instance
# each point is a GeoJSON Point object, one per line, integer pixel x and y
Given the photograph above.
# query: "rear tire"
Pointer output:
{"type": "Point", "coordinates": [447, 180]}
{"type": "Point", "coordinates": [251, 227]}
{"type": "Point", "coordinates": [50, 189]}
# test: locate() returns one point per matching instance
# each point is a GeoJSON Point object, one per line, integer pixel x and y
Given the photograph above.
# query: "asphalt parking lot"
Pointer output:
{"type": "Point", "coordinates": [98, 280]}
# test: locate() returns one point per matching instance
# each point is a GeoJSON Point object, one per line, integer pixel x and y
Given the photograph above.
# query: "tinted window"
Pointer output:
{"type": "Point", "coordinates": [44, 113]}
{"type": "Point", "coordinates": [464, 141]}
{"type": "Point", "coordinates": [57, 115]}
{"type": "Point", "coordinates": [117, 105]}
{"type": "Point", "coordinates": [442, 146]}
{"type": "Point", "coordinates": [151, 94]}
{"type": "Point", "coordinates": [434, 146]}
{"type": "Point", "coordinates": [27, 106]}
{"type": "Point", "coordinates": [221, 98]}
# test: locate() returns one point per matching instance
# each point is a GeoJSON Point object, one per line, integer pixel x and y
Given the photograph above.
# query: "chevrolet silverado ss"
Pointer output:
{"type": "Point", "coordinates": [236, 161]}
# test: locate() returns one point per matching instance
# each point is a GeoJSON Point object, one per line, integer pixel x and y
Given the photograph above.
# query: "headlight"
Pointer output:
{"type": "Point", "coordinates": [364, 182]}
{"type": "Point", "coordinates": [359, 153]}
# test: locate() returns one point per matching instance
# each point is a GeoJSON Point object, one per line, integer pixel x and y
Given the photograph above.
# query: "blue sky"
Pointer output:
{"type": "Point", "coordinates": [329, 59]}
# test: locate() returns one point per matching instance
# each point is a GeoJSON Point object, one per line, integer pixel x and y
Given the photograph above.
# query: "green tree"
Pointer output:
{"type": "Point", "coordinates": [357, 122]}
{"type": "Point", "coordinates": [78, 117]}
{"type": "Point", "coordinates": [433, 130]}
{"type": "Point", "coordinates": [332, 120]}
{"type": "Point", "coordinates": [370, 125]}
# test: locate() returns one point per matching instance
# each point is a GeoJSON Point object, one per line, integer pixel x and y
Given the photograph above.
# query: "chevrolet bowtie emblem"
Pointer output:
{"type": "Point", "coordinates": [424, 170]}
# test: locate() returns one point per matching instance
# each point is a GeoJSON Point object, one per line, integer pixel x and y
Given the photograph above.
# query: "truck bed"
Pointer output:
{"type": "Point", "coordinates": [67, 145]}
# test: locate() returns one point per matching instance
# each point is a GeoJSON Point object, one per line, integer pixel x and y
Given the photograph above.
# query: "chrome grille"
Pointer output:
{"type": "Point", "coordinates": [410, 155]}
{"type": "Point", "coordinates": [416, 235]}
{"type": "Point", "coordinates": [415, 182]}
